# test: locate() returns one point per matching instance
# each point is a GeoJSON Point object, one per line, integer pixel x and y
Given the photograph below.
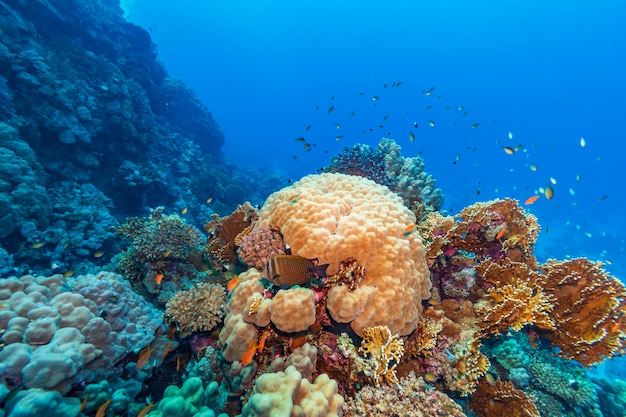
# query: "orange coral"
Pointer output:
{"type": "Point", "coordinates": [502, 399]}
{"type": "Point", "coordinates": [425, 336]}
{"type": "Point", "coordinates": [220, 245]}
{"type": "Point", "coordinates": [589, 310]}
{"type": "Point", "coordinates": [515, 300]}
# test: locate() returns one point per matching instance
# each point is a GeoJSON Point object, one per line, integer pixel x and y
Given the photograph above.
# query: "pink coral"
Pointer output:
{"type": "Point", "coordinates": [256, 247]}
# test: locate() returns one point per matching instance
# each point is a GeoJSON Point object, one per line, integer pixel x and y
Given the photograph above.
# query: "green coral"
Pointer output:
{"type": "Point", "coordinates": [191, 400]}
{"type": "Point", "coordinates": [510, 355]}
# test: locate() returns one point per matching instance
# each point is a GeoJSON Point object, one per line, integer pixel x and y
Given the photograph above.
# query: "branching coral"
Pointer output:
{"type": "Point", "coordinates": [220, 245]}
{"type": "Point", "coordinates": [200, 308]}
{"type": "Point", "coordinates": [495, 228]}
{"type": "Point", "coordinates": [386, 166]}
{"type": "Point", "coordinates": [515, 300]}
{"type": "Point", "coordinates": [502, 399]}
{"type": "Point", "coordinates": [381, 348]}
{"type": "Point", "coordinates": [160, 244]}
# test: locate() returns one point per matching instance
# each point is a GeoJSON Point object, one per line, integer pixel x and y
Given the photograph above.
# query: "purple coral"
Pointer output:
{"type": "Point", "coordinates": [256, 247]}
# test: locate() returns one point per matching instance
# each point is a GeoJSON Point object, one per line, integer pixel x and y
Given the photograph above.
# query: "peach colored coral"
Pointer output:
{"type": "Point", "coordinates": [333, 217]}
{"type": "Point", "coordinates": [293, 310]}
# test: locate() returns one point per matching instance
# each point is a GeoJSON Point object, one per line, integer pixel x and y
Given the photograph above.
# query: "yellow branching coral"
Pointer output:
{"type": "Point", "coordinates": [381, 347]}
{"type": "Point", "coordinates": [200, 308]}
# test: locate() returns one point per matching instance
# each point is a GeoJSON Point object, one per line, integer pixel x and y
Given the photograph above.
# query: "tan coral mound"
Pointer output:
{"type": "Point", "coordinates": [333, 217]}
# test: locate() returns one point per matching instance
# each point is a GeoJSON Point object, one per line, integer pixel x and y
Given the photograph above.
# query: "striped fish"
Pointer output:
{"type": "Point", "coordinates": [289, 270]}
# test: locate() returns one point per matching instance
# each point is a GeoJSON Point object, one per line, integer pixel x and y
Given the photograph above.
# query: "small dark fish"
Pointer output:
{"type": "Point", "coordinates": [289, 270]}
{"type": "Point", "coordinates": [604, 197]}
{"type": "Point", "coordinates": [300, 139]}
{"type": "Point", "coordinates": [331, 109]}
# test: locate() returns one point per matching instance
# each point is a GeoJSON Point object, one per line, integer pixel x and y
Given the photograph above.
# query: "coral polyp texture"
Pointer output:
{"type": "Point", "coordinates": [333, 217]}
{"type": "Point", "coordinates": [57, 331]}
{"type": "Point", "coordinates": [255, 247]}
{"type": "Point", "coordinates": [200, 308]}
{"type": "Point", "coordinates": [411, 397]}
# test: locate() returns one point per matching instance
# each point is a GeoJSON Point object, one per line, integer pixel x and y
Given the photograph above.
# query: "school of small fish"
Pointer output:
{"type": "Point", "coordinates": [514, 151]}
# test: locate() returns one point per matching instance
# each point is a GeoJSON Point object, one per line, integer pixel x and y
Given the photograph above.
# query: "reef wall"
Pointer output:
{"type": "Point", "coordinates": [93, 129]}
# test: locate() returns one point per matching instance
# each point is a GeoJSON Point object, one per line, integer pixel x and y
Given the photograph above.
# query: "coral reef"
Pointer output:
{"type": "Point", "coordinates": [385, 165]}
{"type": "Point", "coordinates": [163, 250]}
{"type": "Point", "coordinates": [411, 397]}
{"type": "Point", "coordinates": [93, 128]}
{"type": "Point", "coordinates": [58, 330]}
{"type": "Point", "coordinates": [199, 308]}
{"type": "Point", "coordinates": [333, 217]}
{"type": "Point", "coordinates": [286, 393]}
{"type": "Point", "coordinates": [192, 399]}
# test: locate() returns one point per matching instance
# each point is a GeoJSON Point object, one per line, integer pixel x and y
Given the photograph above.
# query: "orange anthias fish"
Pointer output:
{"type": "Point", "coordinates": [247, 357]}
{"type": "Point", "coordinates": [167, 349]}
{"type": "Point", "coordinates": [83, 404]}
{"type": "Point", "coordinates": [531, 200]}
{"type": "Point", "coordinates": [103, 408]}
{"type": "Point", "coordinates": [261, 344]}
{"type": "Point", "coordinates": [159, 278]}
{"type": "Point", "coordinates": [232, 283]}
{"type": "Point", "coordinates": [409, 229]}
{"type": "Point", "coordinates": [501, 233]}
{"type": "Point", "coordinates": [145, 410]}
{"type": "Point", "coordinates": [144, 355]}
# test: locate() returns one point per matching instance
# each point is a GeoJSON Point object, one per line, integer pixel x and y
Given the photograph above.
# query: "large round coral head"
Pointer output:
{"type": "Point", "coordinates": [333, 217]}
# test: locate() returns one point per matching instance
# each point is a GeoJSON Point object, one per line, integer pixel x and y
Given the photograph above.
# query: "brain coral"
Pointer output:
{"type": "Point", "coordinates": [333, 217]}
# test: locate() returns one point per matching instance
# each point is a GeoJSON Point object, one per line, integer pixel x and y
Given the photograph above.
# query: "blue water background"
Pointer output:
{"type": "Point", "coordinates": [548, 72]}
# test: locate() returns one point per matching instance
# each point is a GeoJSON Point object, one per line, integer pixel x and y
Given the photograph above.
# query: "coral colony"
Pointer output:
{"type": "Point", "coordinates": [399, 309]}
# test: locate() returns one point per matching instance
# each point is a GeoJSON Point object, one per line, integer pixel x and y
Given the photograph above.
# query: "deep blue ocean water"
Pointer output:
{"type": "Point", "coordinates": [545, 73]}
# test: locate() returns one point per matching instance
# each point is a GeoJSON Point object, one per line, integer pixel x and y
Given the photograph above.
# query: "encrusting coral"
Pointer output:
{"type": "Point", "coordinates": [255, 247]}
{"type": "Point", "coordinates": [200, 308]}
{"type": "Point", "coordinates": [220, 246]}
{"type": "Point", "coordinates": [333, 217]}
{"type": "Point", "coordinates": [411, 397]}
